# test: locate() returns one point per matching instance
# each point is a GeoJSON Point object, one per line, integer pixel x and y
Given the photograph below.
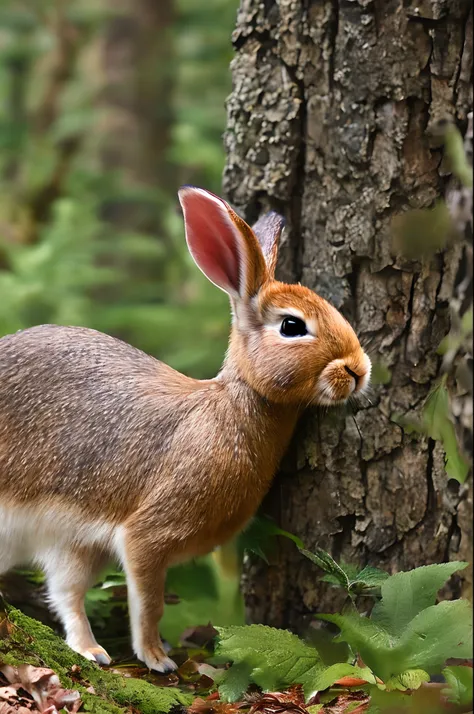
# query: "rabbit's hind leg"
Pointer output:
{"type": "Point", "coordinates": [8, 555]}
{"type": "Point", "coordinates": [12, 549]}
{"type": "Point", "coordinates": [70, 573]}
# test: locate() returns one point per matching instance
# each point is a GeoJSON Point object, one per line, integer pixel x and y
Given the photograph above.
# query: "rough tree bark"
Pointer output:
{"type": "Point", "coordinates": [329, 123]}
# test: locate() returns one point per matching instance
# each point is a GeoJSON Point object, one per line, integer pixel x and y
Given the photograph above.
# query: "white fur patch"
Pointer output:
{"type": "Point", "coordinates": [364, 382]}
{"type": "Point", "coordinates": [325, 395]}
{"type": "Point", "coordinates": [35, 535]}
{"type": "Point", "coordinates": [134, 598]}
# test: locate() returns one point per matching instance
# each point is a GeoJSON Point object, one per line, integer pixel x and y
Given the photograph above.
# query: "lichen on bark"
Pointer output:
{"type": "Point", "coordinates": [330, 122]}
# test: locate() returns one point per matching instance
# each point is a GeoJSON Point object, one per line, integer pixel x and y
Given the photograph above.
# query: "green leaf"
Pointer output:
{"type": "Point", "coordinates": [454, 147]}
{"type": "Point", "coordinates": [369, 578]}
{"type": "Point", "coordinates": [405, 594]}
{"type": "Point", "coordinates": [438, 425]}
{"type": "Point", "coordinates": [331, 652]}
{"type": "Point", "coordinates": [367, 638]}
{"type": "Point", "coordinates": [459, 681]}
{"type": "Point", "coordinates": [440, 632]}
{"type": "Point", "coordinates": [273, 659]}
{"type": "Point", "coordinates": [235, 681]}
{"type": "Point", "coordinates": [422, 701]}
{"type": "Point", "coordinates": [346, 575]}
{"type": "Point", "coordinates": [257, 537]}
{"type": "Point", "coordinates": [456, 465]}
{"type": "Point", "coordinates": [411, 679]}
{"type": "Point", "coordinates": [324, 561]}
{"type": "Point", "coordinates": [434, 635]}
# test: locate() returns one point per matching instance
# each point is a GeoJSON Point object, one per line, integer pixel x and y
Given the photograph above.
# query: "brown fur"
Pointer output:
{"type": "Point", "coordinates": [93, 427]}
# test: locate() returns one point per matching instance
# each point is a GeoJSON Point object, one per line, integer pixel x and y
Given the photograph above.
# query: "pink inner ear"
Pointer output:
{"type": "Point", "coordinates": [212, 238]}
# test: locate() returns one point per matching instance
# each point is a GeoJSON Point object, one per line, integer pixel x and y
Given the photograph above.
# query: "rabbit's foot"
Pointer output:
{"type": "Point", "coordinates": [157, 660]}
{"type": "Point", "coordinates": [96, 654]}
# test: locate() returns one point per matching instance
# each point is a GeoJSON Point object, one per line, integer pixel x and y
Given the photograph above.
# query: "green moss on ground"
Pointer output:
{"type": "Point", "coordinates": [29, 641]}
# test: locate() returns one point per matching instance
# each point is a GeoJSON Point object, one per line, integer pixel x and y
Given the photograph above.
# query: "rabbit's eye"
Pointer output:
{"type": "Point", "coordinates": [293, 327]}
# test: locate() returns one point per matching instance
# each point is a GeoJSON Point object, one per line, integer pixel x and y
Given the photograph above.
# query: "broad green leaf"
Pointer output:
{"type": "Point", "coordinates": [235, 681]}
{"type": "Point", "coordinates": [411, 679]}
{"type": "Point", "coordinates": [274, 659]}
{"type": "Point", "coordinates": [324, 561]}
{"type": "Point", "coordinates": [369, 579]}
{"type": "Point", "coordinates": [367, 638]}
{"type": "Point", "coordinates": [440, 632]}
{"type": "Point", "coordinates": [331, 652]}
{"type": "Point", "coordinates": [405, 594]}
{"type": "Point", "coordinates": [459, 681]}
{"type": "Point", "coordinates": [371, 576]}
{"type": "Point", "coordinates": [434, 635]}
{"type": "Point", "coordinates": [423, 700]}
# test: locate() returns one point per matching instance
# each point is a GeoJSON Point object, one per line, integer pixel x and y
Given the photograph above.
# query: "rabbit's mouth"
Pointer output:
{"type": "Point", "coordinates": [343, 378]}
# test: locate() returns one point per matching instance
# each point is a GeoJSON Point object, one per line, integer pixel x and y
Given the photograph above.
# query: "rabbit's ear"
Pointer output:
{"type": "Point", "coordinates": [223, 246]}
{"type": "Point", "coordinates": [268, 230]}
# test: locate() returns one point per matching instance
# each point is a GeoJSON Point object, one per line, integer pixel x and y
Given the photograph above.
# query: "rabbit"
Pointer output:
{"type": "Point", "coordinates": [107, 453]}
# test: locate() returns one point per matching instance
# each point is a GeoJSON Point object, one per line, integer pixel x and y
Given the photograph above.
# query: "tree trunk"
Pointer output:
{"type": "Point", "coordinates": [329, 123]}
{"type": "Point", "coordinates": [137, 105]}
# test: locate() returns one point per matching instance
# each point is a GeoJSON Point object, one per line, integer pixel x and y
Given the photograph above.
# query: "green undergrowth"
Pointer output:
{"type": "Point", "coordinates": [23, 639]}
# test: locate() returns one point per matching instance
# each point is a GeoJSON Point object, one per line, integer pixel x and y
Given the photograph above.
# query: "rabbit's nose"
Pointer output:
{"type": "Point", "coordinates": [353, 374]}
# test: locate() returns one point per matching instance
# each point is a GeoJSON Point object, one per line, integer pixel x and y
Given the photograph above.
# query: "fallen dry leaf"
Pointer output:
{"type": "Point", "coordinates": [199, 636]}
{"type": "Point", "coordinates": [211, 706]}
{"type": "Point", "coordinates": [189, 670]}
{"type": "Point", "coordinates": [7, 692]}
{"type": "Point", "coordinates": [345, 702]}
{"type": "Point", "coordinates": [43, 686]}
{"type": "Point", "coordinates": [291, 700]}
{"type": "Point", "coordinates": [6, 626]}
{"type": "Point", "coordinates": [6, 708]}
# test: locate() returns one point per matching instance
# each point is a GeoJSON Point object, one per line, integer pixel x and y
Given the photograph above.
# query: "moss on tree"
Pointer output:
{"type": "Point", "coordinates": [24, 640]}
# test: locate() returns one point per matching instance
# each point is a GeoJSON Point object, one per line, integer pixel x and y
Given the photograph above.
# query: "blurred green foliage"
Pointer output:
{"type": "Point", "coordinates": [108, 107]}
{"type": "Point", "coordinates": [90, 231]}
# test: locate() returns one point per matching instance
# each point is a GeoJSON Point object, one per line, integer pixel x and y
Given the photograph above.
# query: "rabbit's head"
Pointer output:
{"type": "Point", "coordinates": [287, 343]}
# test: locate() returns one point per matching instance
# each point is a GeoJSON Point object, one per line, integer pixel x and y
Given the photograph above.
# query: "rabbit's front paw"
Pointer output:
{"type": "Point", "coordinates": [96, 654]}
{"type": "Point", "coordinates": [157, 660]}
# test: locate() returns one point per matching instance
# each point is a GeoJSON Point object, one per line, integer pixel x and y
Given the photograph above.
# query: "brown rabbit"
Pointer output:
{"type": "Point", "coordinates": [107, 453]}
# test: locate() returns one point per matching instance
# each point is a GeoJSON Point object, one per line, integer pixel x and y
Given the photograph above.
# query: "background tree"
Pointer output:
{"type": "Point", "coordinates": [334, 121]}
